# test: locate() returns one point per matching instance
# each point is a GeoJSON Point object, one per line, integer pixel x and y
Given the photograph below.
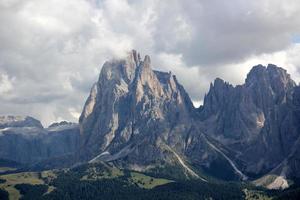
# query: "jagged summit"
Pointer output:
{"type": "Point", "coordinates": [263, 87]}
{"type": "Point", "coordinates": [260, 74]}
{"type": "Point", "coordinates": [62, 123]}
{"type": "Point", "coordinates": [136, 113]}
{"type": "Point", "coordinates": [136, 57]}
{"type": "Point", "coordinates": [137, 117]}
{"type": "Point", "coordinates": [258, 118]}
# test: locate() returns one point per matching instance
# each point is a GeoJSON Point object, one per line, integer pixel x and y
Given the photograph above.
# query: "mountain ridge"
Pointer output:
{"type": "Point", "coordinates": [244, 109]}
{"type": "Point", "coordinates": [142, 119]}
{"type": "Point", "coordinates": [25, 140]}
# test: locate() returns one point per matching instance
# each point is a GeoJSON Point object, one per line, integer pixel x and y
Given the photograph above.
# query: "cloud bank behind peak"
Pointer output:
{"type": "Point", "coordinates": [52, 51]}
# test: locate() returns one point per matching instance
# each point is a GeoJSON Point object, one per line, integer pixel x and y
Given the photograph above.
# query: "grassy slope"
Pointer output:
{"type": "Point", "coordinates": [6, 169]}
{"type": "Point", "coordinates": [32, 178]}
{"type": "Point", "coordinates": [19, 178]}
{"type": "Point", "coordinates": [147, 182]}
{"type": "Point", "coordinates": [106, 172]}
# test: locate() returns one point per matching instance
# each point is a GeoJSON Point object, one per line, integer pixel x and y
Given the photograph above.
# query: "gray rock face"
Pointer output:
{"type": "Point", "coordinates": [259, 119]}
{"type": "Point", "coordinates": [23, 139]}
{"type": "Point", "coordinates": [137, 116]}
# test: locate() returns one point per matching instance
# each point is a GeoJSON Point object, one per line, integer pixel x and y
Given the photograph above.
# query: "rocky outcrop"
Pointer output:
{"type": "Point", "coordinates": [259, 119]}
{"type": "Point", "coordinates": [23, 139]}
{"type": "Point", "coordinates": [137, 117]}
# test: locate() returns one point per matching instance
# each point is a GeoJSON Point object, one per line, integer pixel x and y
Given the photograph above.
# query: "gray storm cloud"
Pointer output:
{"type": "Point", "coordinates": [52, 51]}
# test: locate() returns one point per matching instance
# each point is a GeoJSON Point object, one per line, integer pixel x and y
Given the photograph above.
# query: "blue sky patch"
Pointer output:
{"type": "Point", "coordinates": [296, 38]}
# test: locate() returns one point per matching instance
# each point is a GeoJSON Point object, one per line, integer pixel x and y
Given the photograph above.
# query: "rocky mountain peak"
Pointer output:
{"type": "Point", "coordinates": [147, 60]}
{"type": "Point", "coordinates": [119, 70]}
{"type": "Point", "coordinates": [219, 84]}
{"type": "Point", "coordinates": [19, 121]}
{"type": "Point", "coordinates": [271, 74]}
{"type": "Point", "coordinates": [132, 100]}
{"type": "Point", "coordinates": [215, 98]}
{"type": "Point", "coordinates": [260, 116]}
{"type": "Point", "coordinates": [256, 72]}
{"type": "Point", "coordinates": [137, 117]}
{"type": "Point", "coordinates": [264, 87]}
{"type": "Point", "coordinates": [62, 123]}
{"type": "Point", "coordinates": [280, 79]}
{"type": "Point", "coordinates": [270, 83]}
{"type": "Point", "coordinates": [136, 57]}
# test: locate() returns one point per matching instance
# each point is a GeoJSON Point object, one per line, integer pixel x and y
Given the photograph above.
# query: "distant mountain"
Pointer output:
{"type": "Point", "coordinates": [19, 121]}
{"type": "Point", "coordinates": [24, 140]}
{"type": "Point", "coordinates": [259, 120]}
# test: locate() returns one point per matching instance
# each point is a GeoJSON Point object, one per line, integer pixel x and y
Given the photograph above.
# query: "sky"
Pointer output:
{"type": "Point", "coordinates": [52, 51]}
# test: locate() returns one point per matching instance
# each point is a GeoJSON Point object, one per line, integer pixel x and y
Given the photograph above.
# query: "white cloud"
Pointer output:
{"type": "Point", "coordinates": [189, 77]}
{"type": "Point", "coordinates": [6, 84]}
{"type": "Point", "coordinates": [197, 104]}
{"type": "Point", "coordinates": [74, 113]}
{"type": "Point", "coordinates": [287, 59]}
{"type": "Point", "coordinates": [52, 51]}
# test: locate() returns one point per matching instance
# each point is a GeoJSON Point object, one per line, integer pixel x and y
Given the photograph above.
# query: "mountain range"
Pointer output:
{"type": "Point", "coordinates": [141, 119]}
